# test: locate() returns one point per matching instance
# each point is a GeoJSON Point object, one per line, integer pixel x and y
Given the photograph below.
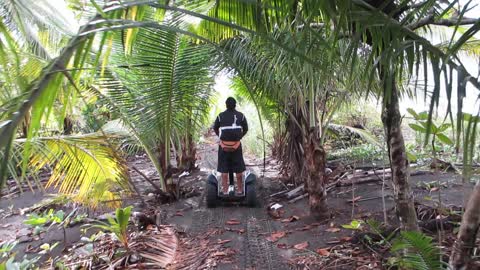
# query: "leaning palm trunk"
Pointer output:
{"type": "Point", "coordinates": [315, 160]}
{"type": "Point", "coordinates": [391, 119]}
{"type": "Point", "coordinates": [467, 235]}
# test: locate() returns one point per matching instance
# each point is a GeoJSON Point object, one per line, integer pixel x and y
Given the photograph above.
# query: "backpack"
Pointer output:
{"type": "Point", "coordinates": [230, 136]}
{"type": "Point", "coordinates": [231, 133]}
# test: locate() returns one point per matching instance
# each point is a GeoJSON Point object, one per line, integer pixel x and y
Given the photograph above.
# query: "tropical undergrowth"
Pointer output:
{"type": "Point", "coordinates": [158, 97]}
{"type": "Point", "coordinates": [356, 133]}
{"type": "Point", "coordinates": [401, 249]}
{"type": "Point", "coordinates": [362, 153]}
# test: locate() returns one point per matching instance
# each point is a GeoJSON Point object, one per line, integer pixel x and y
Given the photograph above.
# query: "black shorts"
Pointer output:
{"type": "Point", "coordinates": [230, 161]}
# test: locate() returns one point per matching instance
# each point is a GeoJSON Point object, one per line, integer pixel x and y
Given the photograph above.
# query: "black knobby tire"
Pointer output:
{"type": "Point", "coordinates": [211, 195]}
{"type": "Point", "coordinates": [251, 195]}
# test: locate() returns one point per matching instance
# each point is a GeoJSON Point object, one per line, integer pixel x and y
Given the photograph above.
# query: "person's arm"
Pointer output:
{"type": "Point", "coordinates": [216, 125]}
{"type": "Point", "coordinates": [244, 125]}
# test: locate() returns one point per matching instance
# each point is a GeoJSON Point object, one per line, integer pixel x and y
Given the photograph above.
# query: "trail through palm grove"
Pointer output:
{"type": "Point", "coordinates": [104, 160]}
{"type": "Point", "coordinates": [237, 237]}
{"type": "Point", "coordinates": [238, 233]}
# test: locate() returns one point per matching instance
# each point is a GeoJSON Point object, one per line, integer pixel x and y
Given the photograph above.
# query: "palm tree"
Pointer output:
{"type": "Point", "coordinates": [32, 33]}
{"type": "Point", "coordinates": [177, 74]}
{"type": "Point", "coordinates": [395, 46]}
{"type": "Point", "coordinates": [161, 91]}
{"type": "Point", "coordinates": [37, 26]}
{"type": "Point", "coordinates": [306, 96]}
{"type": "Point", "coordinates": [383, 30]}
{"type": "Point", "coordinates": [411, 48]}
{"type": "Point", "coordinates": [386, 31]}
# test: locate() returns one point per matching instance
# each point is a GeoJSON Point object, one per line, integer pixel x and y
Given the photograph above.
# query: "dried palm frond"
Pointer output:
{"type": "Point", "coordinates": [157, 248]}
{"type": "Point", "coordinates": [200, 253]}
{"type": "Point", "coordinates": [154, 248]}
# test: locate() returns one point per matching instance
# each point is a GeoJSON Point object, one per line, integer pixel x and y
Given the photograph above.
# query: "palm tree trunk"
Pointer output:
{"type": "Point", "coordinates": [186, 159]}
{"type": "Point", "coordinates": [25, 124]}
{"type": "Point", "coordinates": [67, 125]}
{"type": "Point", "coordinates": [163, 161]}
{"type": "Point", "coordinates": [463, 246]}
{"type": "Point", "coordinates": [292, 150]}
{"type": "Point", "coordinates": [392, 119]}
{"type": "Point", "coordinates": [315, 159]}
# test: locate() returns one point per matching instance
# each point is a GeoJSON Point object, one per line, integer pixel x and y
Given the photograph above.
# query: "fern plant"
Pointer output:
{"type": "Point", "coordinates": [415, 250]}
{"type": "Point", "coordinates": [118, 225]}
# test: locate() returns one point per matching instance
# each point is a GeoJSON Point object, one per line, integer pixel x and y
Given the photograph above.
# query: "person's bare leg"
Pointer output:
{"type": "Point", "coordinates": [225, 183]}
{"type": "Point", "coordinates": [240, 182]}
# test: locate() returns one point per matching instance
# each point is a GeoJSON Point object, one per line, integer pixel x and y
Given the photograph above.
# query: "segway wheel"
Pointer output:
{"type": "Point", "coordinates": [211, 196]}
{"type": "Point", "coordinates": [251, 195]}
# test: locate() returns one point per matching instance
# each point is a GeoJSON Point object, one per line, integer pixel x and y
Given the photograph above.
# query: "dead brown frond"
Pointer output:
{"type": "Point", "coordinates": [154, 248]}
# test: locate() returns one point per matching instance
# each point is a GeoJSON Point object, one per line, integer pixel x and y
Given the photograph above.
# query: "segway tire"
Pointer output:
{"type": "Point", "coordinates": [211, 196]}
{"type": "Point", "coordinates": [251, 195]}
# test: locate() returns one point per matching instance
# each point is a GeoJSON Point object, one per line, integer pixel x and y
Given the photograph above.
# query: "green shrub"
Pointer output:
{"type": "Point", "coordinates": [416, 251]}
{"type": "Point", "coordinates": [118, 225]}
{"type": "Point", "coordinates": [50, 216]}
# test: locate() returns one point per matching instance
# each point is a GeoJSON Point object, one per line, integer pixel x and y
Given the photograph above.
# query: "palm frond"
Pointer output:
{"type": "Point", "coordinates": [40, 25]}
{"type": "Point", "coordinates": [162, 87]}
{"type": "Point", "coordinates": [327, 36]}
{"type": "Point", "coordinates": [364, 134]}
{"type": "Point", "coordinates": [85, 167]}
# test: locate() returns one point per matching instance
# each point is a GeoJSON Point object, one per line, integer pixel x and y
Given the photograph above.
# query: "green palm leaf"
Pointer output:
{"type": "Point", "coordinates": [394, 46]}
{"type": "Point", "coordinates": [86, 167]}
{"type": "Point", "coordinates": [162, 88]}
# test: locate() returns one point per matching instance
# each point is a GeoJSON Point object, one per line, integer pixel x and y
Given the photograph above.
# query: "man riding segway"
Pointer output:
{"type": "Point", "coordinates": [230, 126]}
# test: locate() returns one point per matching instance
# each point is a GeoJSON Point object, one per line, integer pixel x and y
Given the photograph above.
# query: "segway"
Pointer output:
{"type": "Point", "coordinates": [215, 195]}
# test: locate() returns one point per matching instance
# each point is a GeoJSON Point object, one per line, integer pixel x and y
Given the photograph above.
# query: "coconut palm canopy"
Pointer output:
{"type": "Point", "coordinates": [150, 65]}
